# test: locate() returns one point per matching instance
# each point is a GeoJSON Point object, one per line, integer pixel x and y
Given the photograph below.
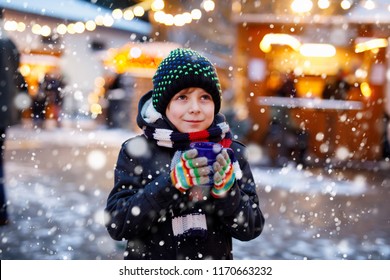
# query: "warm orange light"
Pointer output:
{"type": "Point", "coordinates": [371, 45]}
{"type": "Point", "coordinates": [100, 82]}
{"type": "Point", "coordinates": [96, 109]}
{"type": "Point", "coordinates": [301, 6]}
{"type": "Point", "coordinates": [278, 39]}
{"type": "Point", "coordinates": [93, 98]}
{"type": "Point", "coordinates": [138, 59]}
{"type": "Point", "coordinates": [25, 69]}
{"type": "Point", "coordinates": [157, 5]}
{"type": "Point", "coordinates": [208, 5]}
{"type": "Point", "coordinates": [365, 89]}
{"type": "Point", "coordinates": [317, 50]}
{"type": "Point", "coordinates": [120, 61]}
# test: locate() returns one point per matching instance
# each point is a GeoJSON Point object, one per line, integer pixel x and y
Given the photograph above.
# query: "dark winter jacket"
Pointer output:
{"type": "Point", "coordinates": [143, 200]}
{"type": "Point", "coordinates": [9, 63]}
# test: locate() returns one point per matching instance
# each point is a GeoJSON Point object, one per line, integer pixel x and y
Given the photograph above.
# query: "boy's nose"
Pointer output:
{"type": "Point", "coordinates": [194, 106]}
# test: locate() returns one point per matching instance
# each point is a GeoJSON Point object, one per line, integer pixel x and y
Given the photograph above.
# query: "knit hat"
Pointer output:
{"type": "Point", "coordinates": [184, 68]}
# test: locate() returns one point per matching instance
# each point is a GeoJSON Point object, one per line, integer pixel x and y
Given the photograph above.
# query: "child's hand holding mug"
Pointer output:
{"type": "Point", "coordinates": [224, 176]}
{"type": "Point", "coordinates": [190, 171]}
{"type": "Point", "coordinates": [206, 164]}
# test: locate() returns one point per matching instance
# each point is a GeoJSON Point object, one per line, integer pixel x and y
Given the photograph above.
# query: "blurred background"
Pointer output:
{"type": "Point", "coordinates": [306, 86]}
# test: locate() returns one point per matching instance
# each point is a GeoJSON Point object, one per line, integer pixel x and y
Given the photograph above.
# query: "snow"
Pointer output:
{"type": "Point", "coordinates": [293, 180]}
{"type": "Point", "coordinates": [75, 137]}
{"type": "Point", "coordinates": [58, 182]}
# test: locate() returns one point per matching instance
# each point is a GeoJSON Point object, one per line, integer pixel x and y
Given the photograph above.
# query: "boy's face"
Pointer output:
{"type": "Point", "coordinates": [191, 110]}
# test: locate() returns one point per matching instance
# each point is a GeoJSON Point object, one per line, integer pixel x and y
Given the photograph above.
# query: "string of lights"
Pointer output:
{"type": "Point", "coordinates": [156, 7]}
{"type": "Point", "coordinates": [107, 20]}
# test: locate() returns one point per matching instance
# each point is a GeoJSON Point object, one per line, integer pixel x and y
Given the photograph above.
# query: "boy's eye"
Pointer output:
{"type": "Point", "coordinates": [206, 97]}
{"type": "Point", "coordinates": [181, 97]}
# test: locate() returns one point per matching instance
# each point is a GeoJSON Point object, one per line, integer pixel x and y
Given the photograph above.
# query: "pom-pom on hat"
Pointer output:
{"type": "Point", "coordinates": [184, 68]}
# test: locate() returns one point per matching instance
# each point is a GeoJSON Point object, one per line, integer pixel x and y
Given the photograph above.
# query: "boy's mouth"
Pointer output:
{"type": "Point", "coordinates": [194, 121]}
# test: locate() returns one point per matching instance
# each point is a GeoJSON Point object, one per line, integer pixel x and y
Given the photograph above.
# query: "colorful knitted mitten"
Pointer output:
{"type": "Point", "coordinates": [190, 171]}
{"type": "Point", "coordinates": [224, 176]}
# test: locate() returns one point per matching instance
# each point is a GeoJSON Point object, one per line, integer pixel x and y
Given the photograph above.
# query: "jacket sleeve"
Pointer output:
{"type": "Point", "coordinates": [135, 204]}
{"type": "Point", "coordinates": [239, 210]}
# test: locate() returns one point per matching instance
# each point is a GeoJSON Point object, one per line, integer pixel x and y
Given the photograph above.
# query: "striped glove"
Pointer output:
{"type": "Point", "coordinates": [224, 176]}
{"type": "Point", "coordinates": [190, 171]}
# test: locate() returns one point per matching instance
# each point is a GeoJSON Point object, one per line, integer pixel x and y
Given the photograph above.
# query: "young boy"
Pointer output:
{"type": "Point", "coordinates": [155, 204]}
